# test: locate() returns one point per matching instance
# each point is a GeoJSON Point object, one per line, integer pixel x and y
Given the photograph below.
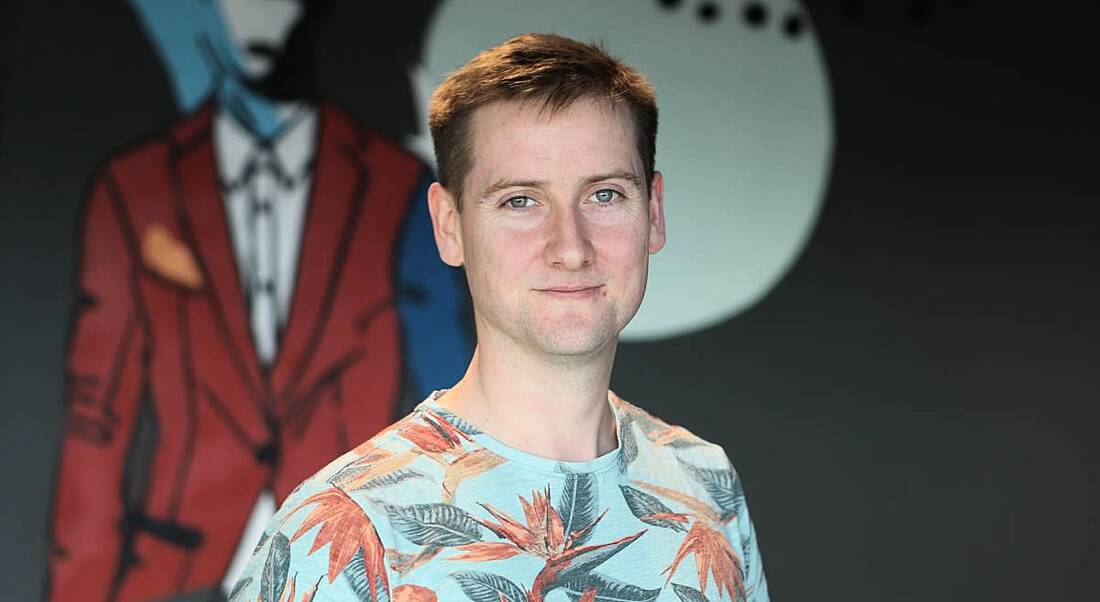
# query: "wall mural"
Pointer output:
{"type": "Point", "coordinates": [258, 280]}
{"type": "Point", "coordinates": [254, 281]}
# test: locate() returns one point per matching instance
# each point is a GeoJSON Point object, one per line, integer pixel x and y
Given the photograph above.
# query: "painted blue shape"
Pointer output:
{"type": "Point", "coordinates": [430, 304]}
{"type": "Point", "coordinates": [202, 62]}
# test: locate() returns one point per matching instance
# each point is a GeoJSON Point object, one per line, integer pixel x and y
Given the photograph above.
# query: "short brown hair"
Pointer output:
{"type": "Point", "coordinates": [553, 70]}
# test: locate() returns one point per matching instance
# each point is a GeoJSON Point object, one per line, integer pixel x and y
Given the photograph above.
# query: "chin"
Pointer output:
{"type": "Point", "coordinates": [574, 339]}
{"type": "Point", "coordinates": [569, 350]}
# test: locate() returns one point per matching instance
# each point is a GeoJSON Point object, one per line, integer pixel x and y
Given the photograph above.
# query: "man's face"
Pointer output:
{"type": "Point", "coordinates": [556, 225]}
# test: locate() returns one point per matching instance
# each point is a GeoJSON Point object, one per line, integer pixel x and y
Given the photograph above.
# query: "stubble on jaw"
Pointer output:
{"type": "Point", "coordinates": [534, 337]}
{"type": "Point", "coordinates": [578, 340]}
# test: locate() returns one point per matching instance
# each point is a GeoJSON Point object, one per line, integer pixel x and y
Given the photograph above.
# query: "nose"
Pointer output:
{"type": "Point", "coordinates": [569, 245]}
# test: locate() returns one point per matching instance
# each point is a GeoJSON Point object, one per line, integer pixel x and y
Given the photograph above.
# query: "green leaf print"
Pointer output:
{"type": "Point", "coordinates": [627, 442]}
{"type": "Point", "coordinates": [356, 574]}
{"type": "Point", "coordinates": [687, 593]}
{"type": "Point", "coordinates": [723, 486]}
{"type": "Point", "coordinates": [242, 585]}
{"type": "Point", "coordinates": [748, 542]}
{"type": "Point", "coordinates": [457, 422]}
{"type": "Point", "coordinates": [435, 524]}
{"type": "Point", "coordinates": [275, 569]}
{"type": "Point", "coordinates": [686, 443]}
{"type": "Point", "coordinates": [577, 505]}
{"type": "Point", "coordinates": [487, 587]}
{"type": "Point", "coordinates": [260, 544]}
{"type": "Point", "coordinates": [651, 510]}
{"type": "Point", "coordinates": [392, 478]}
{"type": "Point", "coordinates": [607, 589]}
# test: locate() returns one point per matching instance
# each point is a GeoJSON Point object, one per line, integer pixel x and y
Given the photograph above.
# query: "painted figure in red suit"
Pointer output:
{"type": "Point", "coordinates": [244, 374]}
{"type": "Point", "coordinates": [157, 260]}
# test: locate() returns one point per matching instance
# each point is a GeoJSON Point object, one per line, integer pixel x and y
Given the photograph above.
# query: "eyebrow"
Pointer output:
{"type": "Point", "coordinates": [499, 185]}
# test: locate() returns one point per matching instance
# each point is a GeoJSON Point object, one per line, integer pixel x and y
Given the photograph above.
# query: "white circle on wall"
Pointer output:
{"type": "Point", "coordinates": [745, 139]}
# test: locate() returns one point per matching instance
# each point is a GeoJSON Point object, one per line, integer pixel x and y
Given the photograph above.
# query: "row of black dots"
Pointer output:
{"type": "Point", "coordinates": [754, 14]}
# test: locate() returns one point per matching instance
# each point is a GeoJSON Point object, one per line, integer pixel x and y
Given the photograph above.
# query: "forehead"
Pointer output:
{"type": "Point", "coordinates": [524, 140]}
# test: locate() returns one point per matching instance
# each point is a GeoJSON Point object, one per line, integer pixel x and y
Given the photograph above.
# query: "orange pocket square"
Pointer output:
{"type": "Point", "coordinates": [169, 257]}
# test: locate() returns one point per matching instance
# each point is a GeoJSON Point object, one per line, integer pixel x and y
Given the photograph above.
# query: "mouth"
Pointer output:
{"type": "Point", "coordinates": [572, 292]}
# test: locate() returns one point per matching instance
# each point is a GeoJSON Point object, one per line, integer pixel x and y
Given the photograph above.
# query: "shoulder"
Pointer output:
{"type": "Point", "coordinates": [413, 460]}
{"type": "Point", "coordinates": [678, 478]}
{"type": "Point", "coordinates": [673, 462]}
{"type": "Point", "coordinates": [658, 433]}
{"type": "Point", "coordinates": [332, 532]}
{"type": "Point", "coordinates": [385, 459]}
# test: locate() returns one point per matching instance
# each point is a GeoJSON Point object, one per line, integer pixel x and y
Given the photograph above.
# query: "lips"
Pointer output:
{"type": "Point", "coordinates": [571, 292]}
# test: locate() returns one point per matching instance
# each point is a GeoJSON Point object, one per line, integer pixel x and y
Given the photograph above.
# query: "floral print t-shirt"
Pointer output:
{"type": "Point", "coordinates": [433, 509]}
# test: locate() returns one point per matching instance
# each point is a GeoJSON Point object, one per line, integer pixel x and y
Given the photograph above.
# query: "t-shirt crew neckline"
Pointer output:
{"type": "Point", "coordinates": [518, 457]}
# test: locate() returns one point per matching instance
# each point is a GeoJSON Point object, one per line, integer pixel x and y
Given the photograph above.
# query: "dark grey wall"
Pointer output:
{"type": "Point", "coordinates": [912, 410]}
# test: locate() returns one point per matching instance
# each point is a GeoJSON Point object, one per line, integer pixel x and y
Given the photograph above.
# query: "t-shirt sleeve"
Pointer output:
{"type": "Point", "coordinates": [320, 546]}
{"type": "Point", "coordinates": [756, 586]}
{"type": "Point", "coordinates": [742, 528]}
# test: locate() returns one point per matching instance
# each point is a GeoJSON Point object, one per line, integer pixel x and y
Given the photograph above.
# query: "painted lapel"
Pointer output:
{"type": "Point", "coordinates": [205, 223]}
{"type": "Point", "coordinates": [339, 180]}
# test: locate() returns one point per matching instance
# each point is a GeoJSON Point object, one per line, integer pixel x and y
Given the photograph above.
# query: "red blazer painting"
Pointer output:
{"type": "Point", "coordinates": [161, 331]}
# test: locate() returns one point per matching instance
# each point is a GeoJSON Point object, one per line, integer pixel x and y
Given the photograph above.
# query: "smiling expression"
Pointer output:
{"type": "Point", "coordinates": [556, 225]}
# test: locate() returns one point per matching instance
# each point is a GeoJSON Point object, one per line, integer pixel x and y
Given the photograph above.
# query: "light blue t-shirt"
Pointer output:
{"type": "Point", "coordinates": [433, 509]}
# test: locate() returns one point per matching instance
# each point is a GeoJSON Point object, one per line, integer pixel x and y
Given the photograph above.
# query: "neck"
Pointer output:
{"type": "Point", "coordinates": [548, 407]}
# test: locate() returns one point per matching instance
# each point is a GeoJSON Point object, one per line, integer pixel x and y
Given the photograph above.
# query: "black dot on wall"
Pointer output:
{"type": "Point", "coordinates": [756, 14]}
{"type": "Point", "coordinates": [708, 12]}
{"type": "Point", "coordinates": [793, 25]}
{"type": "Point", "coordinates": [670, 4]}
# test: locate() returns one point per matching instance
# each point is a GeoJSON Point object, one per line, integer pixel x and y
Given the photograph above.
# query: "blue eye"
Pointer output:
{"type": "Point", "coordinates": [523, 202]}
{"type": "Point", "coordinates": [605, 196]}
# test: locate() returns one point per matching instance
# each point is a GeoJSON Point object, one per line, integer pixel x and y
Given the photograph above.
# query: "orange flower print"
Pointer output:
{"type": "Point", "coordinates": [542, 535]}
{"type": "Point", "coordinates": [483, 551]}
{"type": "Point", "coordinates": [378, 468]}
{"type": "Point", "coordinates": [413, 593]}
{"type": "Point", "coordinates": [347, 529]}
{"type": "Point", "coordinates": [557, 535]}
{"type": "Point", "coordinates": [713, 556]}
{"type": "Point", "coordinates": [433, 434]}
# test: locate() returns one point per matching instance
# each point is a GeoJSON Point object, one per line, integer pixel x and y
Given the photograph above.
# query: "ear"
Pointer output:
{"type": "Point", "coordinates": [656, 213]}
{"type": "Point", "coordinates": [446, 224]}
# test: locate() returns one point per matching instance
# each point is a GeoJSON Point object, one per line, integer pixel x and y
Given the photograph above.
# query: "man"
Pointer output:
{"type": "Point", "coordinates": [529, 480]}
{"type": "Point", "coordinates": [255, 282]}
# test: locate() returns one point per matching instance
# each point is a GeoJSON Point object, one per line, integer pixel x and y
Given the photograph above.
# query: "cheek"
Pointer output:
{"type": "Point", "coordinates": [501, 258]}
{"type": "Point", "coordinates": [623, 246]}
